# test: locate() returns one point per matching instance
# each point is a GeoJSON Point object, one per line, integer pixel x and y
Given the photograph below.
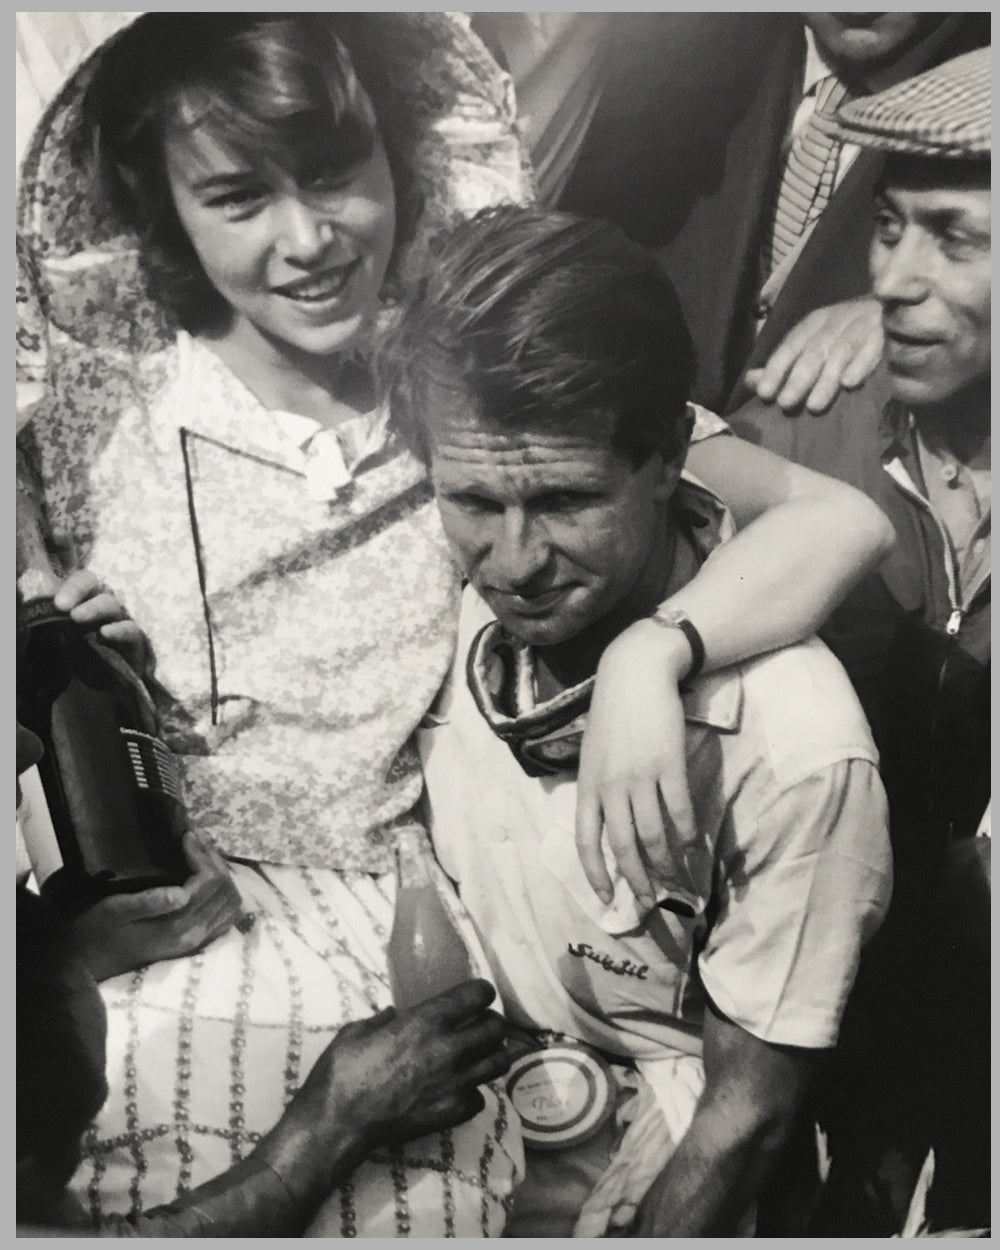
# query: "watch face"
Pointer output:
{"type": "Point", "coordinates": [674, 618]}
{"type": "Point", "coordinates": [669, 616]}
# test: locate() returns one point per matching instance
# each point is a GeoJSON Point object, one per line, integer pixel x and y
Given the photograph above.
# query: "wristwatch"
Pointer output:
{"type": "Point", "coordinates": [676, 618]}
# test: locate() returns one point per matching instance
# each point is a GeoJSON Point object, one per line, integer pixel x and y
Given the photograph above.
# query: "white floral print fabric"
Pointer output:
{"type": "Point", "coordinates": [299, 640]}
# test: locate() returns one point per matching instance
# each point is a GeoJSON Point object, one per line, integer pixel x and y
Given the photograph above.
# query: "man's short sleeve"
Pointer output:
{"type": "Point", "coordinates": [804, 883]}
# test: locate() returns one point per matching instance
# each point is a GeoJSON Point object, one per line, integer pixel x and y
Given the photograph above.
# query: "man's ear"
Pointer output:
{"type": "Point", "coordinates": [667, 479]}
{"type": "Point", "coordinates": [672, 458]}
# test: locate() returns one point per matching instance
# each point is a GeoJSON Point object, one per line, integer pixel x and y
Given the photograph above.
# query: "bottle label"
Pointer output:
{"type": "Point", "coordinates": [40, 611]}
{"type": "Point", "coordinates": [36, 827]}
{"type": "Point", "coordinates": [153, 766]}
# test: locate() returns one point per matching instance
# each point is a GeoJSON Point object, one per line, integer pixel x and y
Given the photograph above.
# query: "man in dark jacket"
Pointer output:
{"type": "Point", "coordinates": [914, 637]}
{"type": "Point", "coordinates": [687, 148]}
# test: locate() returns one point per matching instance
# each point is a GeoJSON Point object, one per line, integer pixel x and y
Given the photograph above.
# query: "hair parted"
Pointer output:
{"type": "Point", "coordinates": [58, 1089]}
{"type": "Point", "coordinates": [301, 92]}
{"type": "Point", "coordinates": [541, 317]}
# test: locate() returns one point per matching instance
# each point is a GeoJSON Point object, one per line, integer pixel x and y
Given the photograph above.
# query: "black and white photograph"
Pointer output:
{"type": "Point", "coordinates": [503, 624]}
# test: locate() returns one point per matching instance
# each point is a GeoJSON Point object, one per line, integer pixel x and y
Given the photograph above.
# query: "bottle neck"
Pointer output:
{"type": "Point", "coordinates": [37, 578]}
{"type": "Point", "coordinates": [413, 860]}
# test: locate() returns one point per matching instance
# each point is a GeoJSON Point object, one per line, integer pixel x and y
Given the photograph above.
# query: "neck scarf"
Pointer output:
{"type": "Point", "coordinates": [544, 736]}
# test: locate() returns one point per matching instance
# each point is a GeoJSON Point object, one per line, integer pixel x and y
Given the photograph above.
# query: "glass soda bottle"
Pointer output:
{"type": "Point", "coordinates": [426, 953]}
{"type": "Point", "coordinates": [102, 812]}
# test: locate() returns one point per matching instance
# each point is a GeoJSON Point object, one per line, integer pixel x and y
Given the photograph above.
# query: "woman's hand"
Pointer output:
{"type": "Point", "coordinates": [832, 348]}
{"type": "Point", "coordinates": [93, 606]}
{"type": "Point", "coordinates": [633, 775]}
{"type": "Point", "coordinates": [126, 931]}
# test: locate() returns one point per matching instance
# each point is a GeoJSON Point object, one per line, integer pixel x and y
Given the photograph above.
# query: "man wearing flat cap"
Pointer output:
{"type": "Point", "coordinates": [913, 1070]}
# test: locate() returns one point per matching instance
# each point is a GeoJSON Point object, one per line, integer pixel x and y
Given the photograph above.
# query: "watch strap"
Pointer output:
{"type": "Point", "coordinates": [674, 618]}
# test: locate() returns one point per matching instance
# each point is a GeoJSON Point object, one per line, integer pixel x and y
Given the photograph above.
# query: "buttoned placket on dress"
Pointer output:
{"type": "Point", "coordinates": [326, 460]}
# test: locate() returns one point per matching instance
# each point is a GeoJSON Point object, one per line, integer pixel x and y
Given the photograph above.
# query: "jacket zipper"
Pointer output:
{"type": "Point", "coordinates": [958, 611]}
{"type": "Point", "coordinates": [956, 616]}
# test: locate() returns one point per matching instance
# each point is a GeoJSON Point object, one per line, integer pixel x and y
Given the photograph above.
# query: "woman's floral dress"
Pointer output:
{"type": "Point", "coordinates": [301, 604]}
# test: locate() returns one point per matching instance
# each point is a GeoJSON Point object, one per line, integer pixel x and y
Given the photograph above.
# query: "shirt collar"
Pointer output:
{"type": "Point", "coordinates": [816, 68]}
{"type": "Point", "coordinates": [896, 436]}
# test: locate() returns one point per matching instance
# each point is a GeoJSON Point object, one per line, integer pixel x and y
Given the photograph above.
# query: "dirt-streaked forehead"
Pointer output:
{"type": "Point", "coordinates": [472, 441]}
{"type": "Point", "coordinates": [520, 465]}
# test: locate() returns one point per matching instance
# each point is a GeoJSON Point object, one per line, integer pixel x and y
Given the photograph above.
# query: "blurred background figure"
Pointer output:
{"type": "Point", "coordinates": [681, 128]}
{"type": "Point", "coordinates": [559, 63]}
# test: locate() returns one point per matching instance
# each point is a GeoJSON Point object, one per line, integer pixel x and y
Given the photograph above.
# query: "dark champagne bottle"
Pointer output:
{"type": "Point", "coordinates": [104, 813]}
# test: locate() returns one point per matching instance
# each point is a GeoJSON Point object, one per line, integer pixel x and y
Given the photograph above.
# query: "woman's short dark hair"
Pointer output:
{"type": "Point", "coordinates": [303, 92]}
{"type": "Point", "coordinates": [542, 317]}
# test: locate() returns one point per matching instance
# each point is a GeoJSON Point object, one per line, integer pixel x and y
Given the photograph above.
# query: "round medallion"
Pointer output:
{"type": "Point", "coordinates": [562, 1094]}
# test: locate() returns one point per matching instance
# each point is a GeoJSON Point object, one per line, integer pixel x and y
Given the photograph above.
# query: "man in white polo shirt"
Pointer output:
{"type": "Point", "coordinates": [542, 370]}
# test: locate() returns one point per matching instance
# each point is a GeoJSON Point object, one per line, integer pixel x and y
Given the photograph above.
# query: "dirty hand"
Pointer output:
{"type": "Point", "coordinates": [401, 1074]}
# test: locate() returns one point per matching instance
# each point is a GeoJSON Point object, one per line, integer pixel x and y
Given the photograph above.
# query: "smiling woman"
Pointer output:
{"type": "Point", "coordinates": [214, 214]}
{"type": "Point", "coordinates": [258, 179]}
{"type": "Point", "coordinates": [298, 258]}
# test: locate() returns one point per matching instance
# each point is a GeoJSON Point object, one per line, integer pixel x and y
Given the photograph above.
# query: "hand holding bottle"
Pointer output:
{"type": "Point", "coordinates": [104, 815]}
{"type": "Point", "coordinates": [126, 931]}
{"type": "Point", "coordinates": [401, 1074]}
{"type": "Point", "coordinates": [90, 604]}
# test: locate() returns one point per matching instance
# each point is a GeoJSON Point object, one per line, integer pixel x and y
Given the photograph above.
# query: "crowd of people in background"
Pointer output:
{"type": "Point", "coordinates": [477, 419]}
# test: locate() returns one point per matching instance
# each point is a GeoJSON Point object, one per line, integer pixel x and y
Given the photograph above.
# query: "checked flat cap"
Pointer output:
{"type": "Point", "coordinates": [944, 111]}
